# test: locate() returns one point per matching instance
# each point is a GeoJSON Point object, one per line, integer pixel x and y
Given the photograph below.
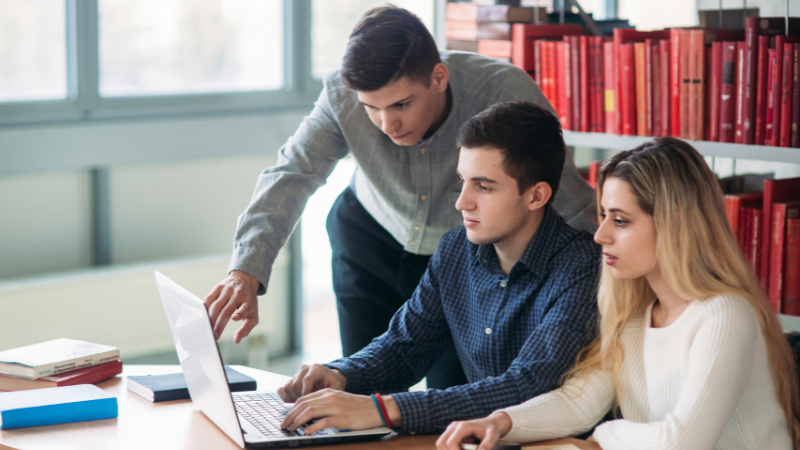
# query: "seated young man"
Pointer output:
{"type": "Point", "coordinates": [514, 290]}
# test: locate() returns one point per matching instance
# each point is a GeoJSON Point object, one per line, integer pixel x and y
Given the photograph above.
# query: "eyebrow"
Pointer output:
{"type": "Point", "coordinates": [615, 210]}
{"type": "Point", "coordinates": [481, 179]}
{"type": "Point", "coordinates": [393, 104]}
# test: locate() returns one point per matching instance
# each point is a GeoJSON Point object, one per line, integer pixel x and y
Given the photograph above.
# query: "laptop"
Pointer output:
{"type": "Point", "coordinates": [251, 419]}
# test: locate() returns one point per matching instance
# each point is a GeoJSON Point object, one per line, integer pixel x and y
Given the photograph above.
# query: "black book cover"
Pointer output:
{"type": "Point", "coordinates": [162, 388]}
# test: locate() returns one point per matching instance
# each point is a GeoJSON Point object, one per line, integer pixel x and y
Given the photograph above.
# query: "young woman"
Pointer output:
{"type": "Point", "coordinates": [689, 347]}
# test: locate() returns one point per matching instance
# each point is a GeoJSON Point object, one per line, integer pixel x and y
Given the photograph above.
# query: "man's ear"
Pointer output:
{"type": "Point", "coordinates": [439, 77]}
{"type": "Point", "coordinates": [539, 194]}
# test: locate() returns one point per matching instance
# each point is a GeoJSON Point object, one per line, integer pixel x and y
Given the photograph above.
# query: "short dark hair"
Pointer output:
{"type": "Point", "coordinates": [387, 44]}
{"type": "Point", "coordinates": [529, 138]}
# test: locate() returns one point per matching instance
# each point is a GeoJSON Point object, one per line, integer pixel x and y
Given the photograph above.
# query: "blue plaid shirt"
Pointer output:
{"type": "Point", "coordinates": [516, 335]}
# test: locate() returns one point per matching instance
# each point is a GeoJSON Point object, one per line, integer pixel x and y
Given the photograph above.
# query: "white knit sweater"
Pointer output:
{"type": "Point", "coordinates": [703, 382]}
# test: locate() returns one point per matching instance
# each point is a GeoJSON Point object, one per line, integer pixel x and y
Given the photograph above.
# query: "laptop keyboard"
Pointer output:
{"type": "Point", "coordinates": [266, 411]}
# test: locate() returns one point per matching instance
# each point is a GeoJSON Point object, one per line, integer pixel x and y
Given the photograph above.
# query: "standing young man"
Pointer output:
{"type": "Point", "coordinates": [396, 104]}
{"type": "Point", "coordinates": [513, 290]}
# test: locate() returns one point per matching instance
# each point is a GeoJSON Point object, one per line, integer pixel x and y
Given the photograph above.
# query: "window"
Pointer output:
{"type": "Point", "coordinates": [33, 50]}
{"type": "Point", "coordinates": [156, 47]}
{"type": "Point", "coordinates": [333, 20]}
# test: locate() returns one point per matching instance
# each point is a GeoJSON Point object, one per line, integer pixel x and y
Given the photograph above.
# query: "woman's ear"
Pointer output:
{"type": "Point", "coordinates": [539, 194]}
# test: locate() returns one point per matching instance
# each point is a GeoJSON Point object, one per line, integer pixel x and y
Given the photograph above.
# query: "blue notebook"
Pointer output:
{"type": "Point", "coordinates": [162, 388]}
{"type": "Point", "coordinates": [55, 405]}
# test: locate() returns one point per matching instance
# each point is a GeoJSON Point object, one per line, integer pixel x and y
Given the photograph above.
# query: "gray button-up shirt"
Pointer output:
{"type": "Point", "coordinates": [410, 190]}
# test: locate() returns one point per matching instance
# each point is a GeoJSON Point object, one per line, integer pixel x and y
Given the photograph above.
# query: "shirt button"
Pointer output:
{"type": "Point", "coordinates": [503, 284]}
{"type": "Point", "coordinates": [423, 150]}
{"type": "Point", "coordinates": [412, 243]}
{"type": "Point", "coordinates": [488, 331]}
{"type": "Point", "coordinates": [423, 197]}
{"type": "Point", "coordinates": [416, 227]}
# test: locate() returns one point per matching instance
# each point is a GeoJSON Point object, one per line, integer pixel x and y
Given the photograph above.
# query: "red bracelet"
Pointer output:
{"type": "Point", "coordinates": [383, 410]}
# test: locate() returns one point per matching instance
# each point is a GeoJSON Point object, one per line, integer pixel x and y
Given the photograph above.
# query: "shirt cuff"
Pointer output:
{"type": "Point", "coordinates": [414, 412]}
{"type": "Point", "coordinates": [350, 373]}
{"type": "Point", "coordinates": [253, 262]}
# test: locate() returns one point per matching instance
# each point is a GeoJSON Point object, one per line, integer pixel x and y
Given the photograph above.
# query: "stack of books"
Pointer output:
{"type": "Point", "coordinates": [60, 362]}
{"type": "Point", "coordinates": [486, 29]}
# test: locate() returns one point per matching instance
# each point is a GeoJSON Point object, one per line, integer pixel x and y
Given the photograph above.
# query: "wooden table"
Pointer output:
{"type": "Point", "coordinates": [143, 425]}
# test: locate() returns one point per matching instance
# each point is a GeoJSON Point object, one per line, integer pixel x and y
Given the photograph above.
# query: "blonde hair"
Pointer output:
{"type": "Point", "coordinates": [698, 257]}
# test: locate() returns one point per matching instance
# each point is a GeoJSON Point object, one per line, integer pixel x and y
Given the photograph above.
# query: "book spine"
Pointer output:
{"type": "Point", "coordinates": [584, 82]}
{"type": "Point", "coordinates": [727, 98]}
{"type": "Point", "coordinates": [609, 97]}
{"type": "Point", "coordinates": [777, 92]}
{"type": "Point", "coordinates": [777, 243]}
{"type": "Point", "coordinates": [768, 201]}
{"type": "Point", "coordinates": [639, 49]}
{"type": "Point", "coordinates": [665, 87]}
{"type": "Point", "coordinates": [92, 377]}
{"type": "Point", "coordinates": [495, 49]}
{"type": "Point", "coordinates": [618, 95]}
{"type": "Point", "coordinates": [686, 84]}
{"type": "Point", "coordinates": [46, 370]}
{"type": "Point", "coordinates": [97, 409]}
{"type": "Point", "coordinates": [461, 11]}
{"type": "Point", "coordinates": [537, 63]}
{"type": "Point", "coordinates": [698, 64]}
{"type": "Point", "coordinates": [715, 86]}
{"type": "Point", "coordinates": [786, 96]}
{"type": "Point", "coordinates": [563, 84]}
{"type": "Point", "coordinates": [791, 297]}
{"type": "Point", "coordinates": [751, 50]}
{"type": "Point", "coordinates": [795, 136]}
{"type": "Point", "coordinates": [551, 73]}
{"type": "Point", "coordinates": [628, 86]}
{"type": "Point", "coordinates": [655, 88]}
{"type": "Point", "coordinates": [762, 72]}
{"type": "Point", "coordinates": [676, 77]}
{"type": "Point", "coordinates": [648, 87]}
{"type": "Point", "coordinates": [756, 217]}
{"type": "Point", "coordinates": [774, 77]}
{"type": "Point", "coordinates": [575, 68]}
{"type": "Point", "coordinates": [740, 76]}
{"type": "Point", "coordinates": [706, 92]}
{"type": "Point", "coordinates": [598, 103]}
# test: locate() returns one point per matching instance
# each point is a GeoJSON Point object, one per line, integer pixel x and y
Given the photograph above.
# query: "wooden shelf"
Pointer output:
{"type": "Point", "coordinates": [707, 148]}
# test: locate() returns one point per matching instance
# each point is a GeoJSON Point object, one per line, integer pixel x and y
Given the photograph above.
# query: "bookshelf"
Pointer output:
{"type": "Point", "coordinates": [706, 148]}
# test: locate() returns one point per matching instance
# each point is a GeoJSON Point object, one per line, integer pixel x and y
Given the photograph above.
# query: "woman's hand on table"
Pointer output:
{"type": "Point", "coordinates": [488, 430]}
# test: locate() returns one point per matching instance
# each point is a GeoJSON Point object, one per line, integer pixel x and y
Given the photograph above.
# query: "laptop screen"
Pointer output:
{"type": "Point", "coordinates": [199, 356]}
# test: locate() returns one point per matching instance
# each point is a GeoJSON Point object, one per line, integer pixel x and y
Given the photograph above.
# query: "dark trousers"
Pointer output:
{"type": "Point", "coordinates": [372, 277]}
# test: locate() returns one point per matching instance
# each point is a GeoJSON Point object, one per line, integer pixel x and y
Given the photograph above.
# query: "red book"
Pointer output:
{"type": "Point", "coordinates": [664, 49]}
{"type": "Point", "coordinates": [583, 42]}
{"type": "Point", "coordinates": [686, 83]}
{"type": "Point", "coordinates": [773, 94]}
{"type": "Point", "coordinates": [707, 93]}
{"type": "Point", "coordinates": [523, 34]}
{"type": "Point", "coordinates": [537, 63]}
{"type": "Point", "coordinates": [777, 243]}
{"type": "Point", "coordinates": [715, 87]}
{"type": "Point", "coordinates": [754, 238]}
{"type": "Point", "coordinates": [786, 97]}
{"type": "Point", "coordinates": [640, 49]}
{"type": "Point", "coordinates": [762, 80]}
{"type": "Point", "coordinates": [750, 63]}
{"type": "Point", "coordinates": [727, 103]}
{"type": "Point", "coordinates": [599, 87]}
{"type": "Point", "coordinates": [575, 77]}
{"type": "Point", "coordinates": [697, 66]}
{"type": "Point", "coordinates": [785, 190]}
{"type": "Point", "coordinates": [594, 168]}
{"type": "Point", "coordinates": [628, 89]}
{"type": "Point", "coordinates": [791, 296]}
{"type": "Point", "coordinates": [675, 81]}
{"type": "Point", "coordinates": [609, 97]}
{"type": "Point", "coordinates": [88, 375]}
{"type": "Point", "coordinates": [563, 85]}
{"type": "Point", "coordinates": [655, 87]}
{"type": "Point", "coordinates": [740, 76]}
{"type": "Point", "coordinates": [548, 72]}
{"type": "Point", "coordinates": [795, 133]}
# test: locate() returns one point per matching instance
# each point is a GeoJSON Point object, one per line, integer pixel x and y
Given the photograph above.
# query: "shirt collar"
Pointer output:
{"type": "Point", "coordinates": [539, 250]}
